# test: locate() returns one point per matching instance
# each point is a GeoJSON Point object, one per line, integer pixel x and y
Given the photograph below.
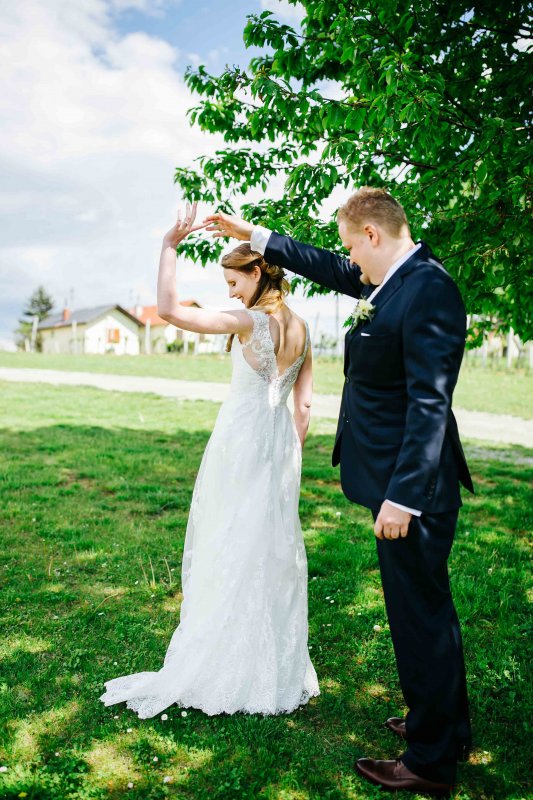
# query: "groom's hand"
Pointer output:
{"type": "Point", "coordinates": [391, 522]}
{"type": "Point", "coordinates": [227, 225]}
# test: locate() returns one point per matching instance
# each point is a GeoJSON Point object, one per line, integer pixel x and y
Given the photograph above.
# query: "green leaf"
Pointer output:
{"type": "Point", "coordinates": [432, 111]}
{"type": "Point", "coordinates": [482, 172]}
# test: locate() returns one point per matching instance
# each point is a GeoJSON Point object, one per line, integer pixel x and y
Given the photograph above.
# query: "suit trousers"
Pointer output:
{"type": "Point", "coordinates": [427, 643]}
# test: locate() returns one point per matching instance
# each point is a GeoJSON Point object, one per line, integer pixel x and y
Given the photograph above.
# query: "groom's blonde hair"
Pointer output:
{"type": "Point", "coordinates": [374, 205]}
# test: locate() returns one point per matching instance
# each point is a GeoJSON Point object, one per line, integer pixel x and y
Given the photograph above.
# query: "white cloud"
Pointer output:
{"type": "Point", "coordinates": [214, 60]}
{"type": "Point", "coordinates": [293, 14]}
{"type": "Point", "coordinates": [92, 126]}
{"type": "Point", "coordinates": [151, 7]}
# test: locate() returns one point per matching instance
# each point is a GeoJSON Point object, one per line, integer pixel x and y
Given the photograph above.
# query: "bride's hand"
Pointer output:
{"type": "Point", "coordinates": [226, 225]}
{"type": "Point", "coordinates": [182, 228]}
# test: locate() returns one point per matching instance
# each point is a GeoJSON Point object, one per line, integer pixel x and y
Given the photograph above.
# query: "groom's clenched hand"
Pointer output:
{"type": "Point", "coordinates": [391, 522]}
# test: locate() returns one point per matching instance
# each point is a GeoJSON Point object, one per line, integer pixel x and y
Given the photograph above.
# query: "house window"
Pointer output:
{"type": "Point", "coordinates": [113, 335]}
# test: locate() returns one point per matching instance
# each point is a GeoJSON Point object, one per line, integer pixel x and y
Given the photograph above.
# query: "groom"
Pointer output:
{"type": "Point", "coordinates": [400, 456]}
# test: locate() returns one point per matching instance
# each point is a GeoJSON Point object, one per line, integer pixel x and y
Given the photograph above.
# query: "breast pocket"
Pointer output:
{"type": "Point", "coordinates": [376, 358]}
{"type": "Point", "coordinates": [377, 337]}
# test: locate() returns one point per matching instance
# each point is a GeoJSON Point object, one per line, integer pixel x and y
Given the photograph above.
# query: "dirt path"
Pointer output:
{"type": "Point", "coordinates": [480, 425]}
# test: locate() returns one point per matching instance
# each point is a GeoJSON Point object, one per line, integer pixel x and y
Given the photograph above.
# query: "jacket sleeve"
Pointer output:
{"type": "Point", "coordinates": [320, 266]}
{"type": "Point", "coordinates": [434, 330]}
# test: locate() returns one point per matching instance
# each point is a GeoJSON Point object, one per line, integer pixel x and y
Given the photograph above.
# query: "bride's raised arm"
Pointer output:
{"type": "Point", "coordinates": [168, 306]}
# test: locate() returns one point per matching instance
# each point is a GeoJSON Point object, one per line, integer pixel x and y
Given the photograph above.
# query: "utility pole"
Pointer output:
{"type": "Point", "coordinates": [510, 343]}
{"type": "Point", "coordinates": [337, 325]}
{"type": "Point", "coordinates": [315, 329]}
{"type": "Point", "coordinates": [34, 325]}
{"type": "Point", "coordinates": [147, 338]}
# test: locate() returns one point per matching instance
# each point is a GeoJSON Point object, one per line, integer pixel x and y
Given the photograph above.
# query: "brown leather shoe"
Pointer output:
{"type": "Point", "coordinates": [397, 726]}
{"type": "Point", "coordinates": [394, 776]}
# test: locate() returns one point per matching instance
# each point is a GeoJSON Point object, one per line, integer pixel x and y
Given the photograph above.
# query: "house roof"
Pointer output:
{"type": "Point", "coordinates": [149, 313]}
{"type": "Point", "coordinates": [82, 316]}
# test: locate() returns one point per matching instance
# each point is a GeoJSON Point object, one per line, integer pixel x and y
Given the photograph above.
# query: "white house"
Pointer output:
{"type": "Point", "coordinates": [104, 329]}
{"type": "Point", "coordinates": [158, 333]}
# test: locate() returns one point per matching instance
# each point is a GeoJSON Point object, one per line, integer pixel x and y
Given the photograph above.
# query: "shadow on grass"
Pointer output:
{"type": "Point", "coordinates": [93, 523]}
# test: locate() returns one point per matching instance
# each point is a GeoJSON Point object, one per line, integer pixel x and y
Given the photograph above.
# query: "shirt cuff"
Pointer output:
{"type": "Point", "coordinates": [259, 239]}
{"type": "Point", "coordinates": [412, 511]}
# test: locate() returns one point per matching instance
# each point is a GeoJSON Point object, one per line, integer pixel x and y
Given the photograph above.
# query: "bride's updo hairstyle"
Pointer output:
{"type": "Point", "coordinates": [272, 287]}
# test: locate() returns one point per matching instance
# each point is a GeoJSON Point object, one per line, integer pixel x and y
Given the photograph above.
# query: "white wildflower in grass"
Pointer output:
{"type": "Point", "coordinates": [155, 758]}
{"type": "Point", "coordinates": [167, 779]}
{"type": "Point", "coordinates": [116, 716]}
{"type": "Point", "coordinates": [129, 730]}
{"type": "Point", "coordinates": [130, 785]}
{"type": "Point", "coordinates": [377, 627]}
{"type": "Point", "coordinates": [3, 769]}
{"type": "Point", "coordinates": [332, 601]}
{"type": "Point", "coordinates": [164, 716]}
{"type": "Point", "coordinates": [183, 713]}
{"type": "Point", "coordinates": [337, 513]}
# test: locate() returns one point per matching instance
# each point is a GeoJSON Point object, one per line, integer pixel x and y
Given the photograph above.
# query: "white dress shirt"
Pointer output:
{"type": "Point", "coordinates": [258, 243]}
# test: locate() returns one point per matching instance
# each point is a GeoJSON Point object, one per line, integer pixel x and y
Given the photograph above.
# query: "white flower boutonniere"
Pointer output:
{"type": "Point", "coordinates": [362, 312]}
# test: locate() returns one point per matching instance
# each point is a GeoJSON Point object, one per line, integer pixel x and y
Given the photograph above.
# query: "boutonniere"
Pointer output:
{"type": "Point", "coordinates": [363, 311]}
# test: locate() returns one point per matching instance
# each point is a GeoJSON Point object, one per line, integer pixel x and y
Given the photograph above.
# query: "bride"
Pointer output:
{"type": "Point", "coordinates": [241, 644]}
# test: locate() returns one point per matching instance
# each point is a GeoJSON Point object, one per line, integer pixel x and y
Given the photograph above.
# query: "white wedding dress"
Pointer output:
{"type": "Point", "coordinates": [241, 644]}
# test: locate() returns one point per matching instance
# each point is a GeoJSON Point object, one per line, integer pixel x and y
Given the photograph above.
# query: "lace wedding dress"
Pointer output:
{"type": "Point", "coordinates": [241, 644]}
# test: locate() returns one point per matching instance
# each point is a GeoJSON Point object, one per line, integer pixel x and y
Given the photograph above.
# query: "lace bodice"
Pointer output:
{"type": "Point", "coordinates": [255, 368]}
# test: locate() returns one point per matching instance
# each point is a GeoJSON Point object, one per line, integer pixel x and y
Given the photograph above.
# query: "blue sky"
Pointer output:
{"type": "Point", "coordinates": [92, 125]}
{"type": "Point", "coordinates": [196, 27]}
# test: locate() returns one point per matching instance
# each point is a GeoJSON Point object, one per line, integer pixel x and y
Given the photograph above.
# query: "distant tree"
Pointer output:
{"type": "Point", "coordinates": [39, 305]}
{"type": "Point", "coordinates": [430, 99]}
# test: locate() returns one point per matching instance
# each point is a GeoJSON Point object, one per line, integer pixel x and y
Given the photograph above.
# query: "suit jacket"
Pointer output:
{"type": "Point", "coordinates": [397, 437]}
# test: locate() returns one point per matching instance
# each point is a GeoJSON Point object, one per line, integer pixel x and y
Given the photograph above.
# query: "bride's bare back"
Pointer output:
{"type": "Point", "coordinates": [288, 333]}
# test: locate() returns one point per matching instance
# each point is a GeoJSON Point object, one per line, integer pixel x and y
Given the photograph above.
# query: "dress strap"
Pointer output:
{"type": "Point", "coordinates": [260, 337]}
{"type": "Point", "coordinates": [258, 350]}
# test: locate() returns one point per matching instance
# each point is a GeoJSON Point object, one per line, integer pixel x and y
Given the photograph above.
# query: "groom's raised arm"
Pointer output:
{"type": "Point", "coordinates": [318, 265]}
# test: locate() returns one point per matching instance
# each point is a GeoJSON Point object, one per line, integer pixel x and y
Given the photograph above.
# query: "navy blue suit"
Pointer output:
{"type": "Point", "coordinates": [397, 439]}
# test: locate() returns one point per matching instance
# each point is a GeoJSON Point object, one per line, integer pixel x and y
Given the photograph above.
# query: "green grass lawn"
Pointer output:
{"type": "Point", "coordinates": [96, 491]}
{"type": "Point", "coordinates": [495, 390]}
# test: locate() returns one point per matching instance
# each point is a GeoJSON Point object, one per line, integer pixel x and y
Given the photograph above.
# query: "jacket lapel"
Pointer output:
{"type": "Point", "coordinates": [388, 291]}
{"type": "Point", "coordinates": [395, 283]}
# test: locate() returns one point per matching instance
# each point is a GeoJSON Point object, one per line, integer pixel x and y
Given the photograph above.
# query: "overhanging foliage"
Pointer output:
{"type": "Point", "coordinates": [431, 100]}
